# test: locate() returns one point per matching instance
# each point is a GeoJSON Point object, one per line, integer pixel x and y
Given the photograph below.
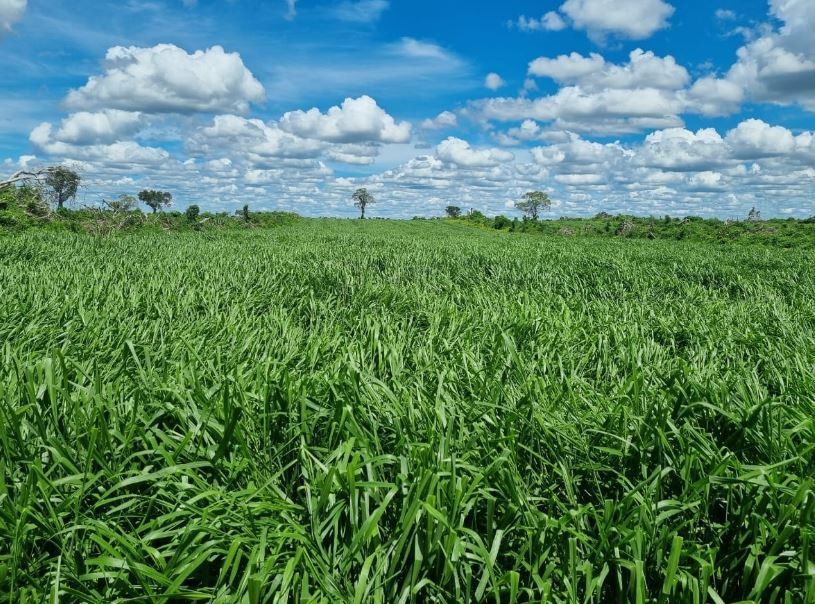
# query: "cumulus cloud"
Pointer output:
{"type": "Point", "coordinates": [644, 70]}
{"type": "Point", "coordinates": [110, 125]}
{"type": "Point", "coordinates": [167, 79]}
{"type": "Point", "coordinates": [778, 66]}
{"type": "Point", "coordinates": [356, 120]}
{"type": "Point", "coordinates": [754, 139]}
{"type": "Point", "coordinates": [493, 81]}
{"type": "Point", "coordinates": [608, 111]}
{"type": "Point", "coordinates": [459, 152]}
{"type": "Point", "coordinates": [252, 139]}
{"type": "Point", "coordinates": [445, 119]}
{"type": "Point", "coordinates": [11, 11]}
{"type": "Point", "coordinates": [551, 21]}
{"type": "Point", "coordinates": [633, 19]}
{"type": "Point", "coordinates": [121, 153]}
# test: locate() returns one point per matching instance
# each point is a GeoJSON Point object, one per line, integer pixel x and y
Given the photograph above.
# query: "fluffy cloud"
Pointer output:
{"type": "Point", "coordinates": [551, 21]}
{"type": "Point", "coordinates": [356, 120]}
{"type": "Point", "coordinates": [755, 139]}
{"type": "Point", "coordinates": [11, 11]}
{"type": "Point", "coordinates": [606, 112]}
{"type": "Point", "coordinates": [459, 152]}
{"type": "Point", "coordinates": [167, 79]}
{"type": "Point", "coordinates": [778, 66]}
{"type": "Point", "coordinates": [677, 149]}
{"type": "Point", "coordinates": [644, 70]}
{"type": "Point", "coordinates": [493, 81]}
{"type": "Point", "coordinates": [110, 125]}
{"type": "Point", "coordinates": [647, 92]}
{"type": "Point", "coordinates": [253, 140]}
{"type": "Point", "coordinates": [445, 119]}
{"type": "Point", "coordinates": [633, 19]}
{"type": "Point", "coordinates": [127, 154]}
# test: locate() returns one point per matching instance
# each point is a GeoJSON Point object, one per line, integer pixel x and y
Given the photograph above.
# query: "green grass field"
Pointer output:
{"type": "Point", "coordinates": [348, 411]}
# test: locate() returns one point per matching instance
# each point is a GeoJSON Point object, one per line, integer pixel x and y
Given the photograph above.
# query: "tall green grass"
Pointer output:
{"type": "Point", "coordinates": [413, 412]}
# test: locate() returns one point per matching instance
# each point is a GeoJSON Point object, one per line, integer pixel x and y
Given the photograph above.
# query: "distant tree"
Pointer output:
{"type": "Point", "coordinates": [362, 199]}
{"type": "Point", "coordinates": [124, 203]}
{"type": "Point", "coordinates": [453, 211]}
{"type": "Point", "coordinates": [156, 200]}
{"type": "Point", "coordinates": [63, 183]}
{"type": "Point", "coordinates": [533, 203]}
{"type": "Point", "coordinates": [245, 212]}
{"type": "Point", "coordinates": [501, 222]}
{"type": "Point", "coordinates": [192, 213]}
{"type": "Point", "coordinates": [753, 215]}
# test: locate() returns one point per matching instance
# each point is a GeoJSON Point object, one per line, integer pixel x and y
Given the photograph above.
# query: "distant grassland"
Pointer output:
{"type": "Point", "coordinates": [349, 411]}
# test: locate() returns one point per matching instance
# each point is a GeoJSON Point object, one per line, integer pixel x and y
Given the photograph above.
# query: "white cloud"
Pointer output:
{"type": "Point", "coordinates": [779, 65]}
{"type": "Point", "coordinates": [724, 14]}
{"type": "Point", "coordinates": [356, 120]}
{"type": "Point", "coordinates": [11, 11]}
{"type": "Point", "coordinates": [713, 96]}
{"type": "Point", "coordinates": [122, 153]}
{"type": "Point", "coordinates": [291, 9]}
{"type": "Point", "coordinates": [445, 119]}
{"type": "Point", "coordinates": [551, 21]}
{"type": "Point", "coordinates": [360, 11]}
{"type": "Point", "coordinates": [166, 79]}
{"type": "Point", "coordinates": [680, 150]}
{"type": "Point", "coordinates": [633, 19]}
{"type": "Point", "coordinates": [493, 81]}
{"type": "Point", "coordinates": [110, 125]}
{"type": "Point", "coordinates": [644, 70]}
{"type": "Point", "coordinates": [754, 139]}
{"type": "Point", "coordinates": [608, 111]}
{"type": "Point", "coordinates": [459, 152]}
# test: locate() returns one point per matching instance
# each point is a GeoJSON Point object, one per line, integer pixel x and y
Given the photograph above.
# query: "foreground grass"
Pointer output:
{"type": "Point", "coordinates": [397, 412]}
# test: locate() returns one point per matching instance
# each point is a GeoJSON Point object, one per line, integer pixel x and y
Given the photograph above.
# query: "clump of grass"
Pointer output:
{"type": "Point", "coordinates": [412, 412]}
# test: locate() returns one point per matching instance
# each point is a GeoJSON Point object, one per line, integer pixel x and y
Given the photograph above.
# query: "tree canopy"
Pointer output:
{"type": "Point", "coordinates": [156, 200]}
{"type": "Point", "coordinates": [362, 199]}
{"type": "Point", "coordinates": [533, 203]}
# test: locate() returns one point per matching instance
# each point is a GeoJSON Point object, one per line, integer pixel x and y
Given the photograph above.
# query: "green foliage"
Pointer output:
{"type": "Point", "coordinates": [156, 200]}
{"type": "Point", "coordinates": [533, 203]}
{"type": "Point", "coordinates": [63, 183]}
{"type": "Point", "coordinates": [362, 199]}
{"type": "Point", "coordinates": [420, 411]}
{"type": "Point", "coordinates": [192, 213]}
{"type": "Point", "coordinates": [501, 222]}
{"type": "Point", "coordinates": [453, 211]}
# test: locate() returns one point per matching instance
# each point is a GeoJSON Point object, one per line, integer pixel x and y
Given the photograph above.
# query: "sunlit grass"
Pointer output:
{"type": "Point", "coordinates": [413, 412]}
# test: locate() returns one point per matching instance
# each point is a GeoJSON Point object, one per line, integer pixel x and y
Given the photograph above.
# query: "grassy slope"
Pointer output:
{"type": "Point", "coordinates": [345, 411]}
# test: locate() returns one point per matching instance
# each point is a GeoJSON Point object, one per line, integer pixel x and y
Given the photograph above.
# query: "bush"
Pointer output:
{"type": "Point", "coordinates": [192, 213]}
{"type": "Point", "coordinates": [501, 222]}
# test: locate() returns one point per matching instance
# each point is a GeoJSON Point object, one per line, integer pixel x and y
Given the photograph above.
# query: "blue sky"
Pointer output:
{"type": "Point", "coordinates": [641, 106]}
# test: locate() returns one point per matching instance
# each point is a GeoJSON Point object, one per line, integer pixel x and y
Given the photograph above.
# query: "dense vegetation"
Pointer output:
{"type": "Point", "coordinates": [354, 411]}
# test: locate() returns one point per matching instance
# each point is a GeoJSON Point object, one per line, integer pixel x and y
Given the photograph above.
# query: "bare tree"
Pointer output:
{"type": "Point", "coordinates": [25, 176]}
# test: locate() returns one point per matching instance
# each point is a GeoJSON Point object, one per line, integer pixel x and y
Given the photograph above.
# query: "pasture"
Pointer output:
{"type": "Point", "coordinates": [348, 411]}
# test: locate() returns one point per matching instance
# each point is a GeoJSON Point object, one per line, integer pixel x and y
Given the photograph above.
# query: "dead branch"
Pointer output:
{"type": "Point", "coordinates": [23, 176]}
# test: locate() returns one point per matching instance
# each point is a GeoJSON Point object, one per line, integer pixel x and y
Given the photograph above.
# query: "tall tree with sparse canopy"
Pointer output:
{"type": "Point", "coordinates": [362, 199]}
{"type": "Point", "coordinates": [63, 183]}
{"type": "Point", "coordinates": [453, 211]}
{"type": "Point", "coordinates": [533, 203]}
{"type": "Point", "coordinates": [156, 200]}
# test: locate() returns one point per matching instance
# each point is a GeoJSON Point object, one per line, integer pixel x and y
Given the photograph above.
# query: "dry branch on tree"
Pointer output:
{"type": "Point", "coordinates": [25, 176]}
